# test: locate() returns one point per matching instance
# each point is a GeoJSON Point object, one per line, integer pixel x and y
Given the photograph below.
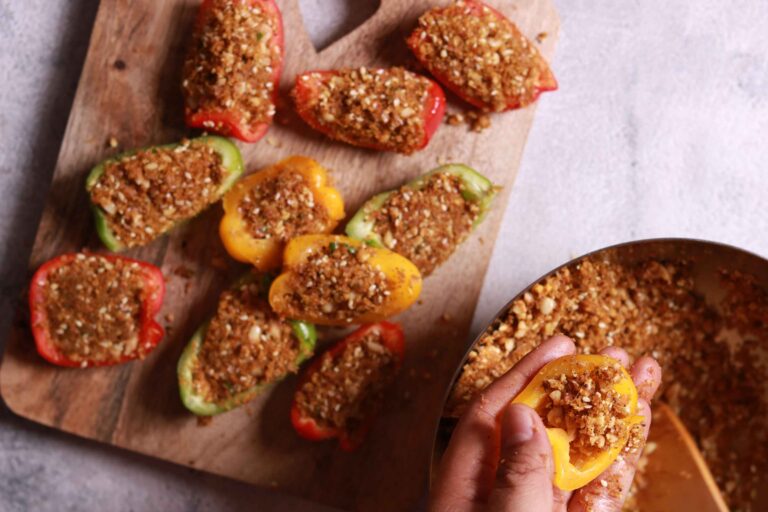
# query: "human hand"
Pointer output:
{"type": "Point", "coordinates": [499, 458]}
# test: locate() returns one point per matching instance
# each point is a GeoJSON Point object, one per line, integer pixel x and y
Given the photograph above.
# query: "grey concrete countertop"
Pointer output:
{"type": "Point", "coordinates": [660, 128]}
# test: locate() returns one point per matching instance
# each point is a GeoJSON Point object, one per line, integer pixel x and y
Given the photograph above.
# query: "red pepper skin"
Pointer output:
{"type": "Point", "coordinates": [549, 82]}
{"type": "Point", "coordinates": [150, 332]}
{"type": "Point", "coordinates": [304, 93]}
{"type": "Point", "coordinates": [393, 339]}
{"type": "Point", "coordinates": [226, 122]}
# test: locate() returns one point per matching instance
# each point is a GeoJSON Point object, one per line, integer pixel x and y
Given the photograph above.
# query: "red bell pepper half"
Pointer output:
{"type": "Point", "coordinates": [306, 91]}
{"type": "Point", "coordinates": [150, 331]}
{"type": "Point", "coordinates": [229, 122]}
{"type": "Point", "coordinates": [392, 338]}
{"type": "Point", "coordinates": [546, 81]}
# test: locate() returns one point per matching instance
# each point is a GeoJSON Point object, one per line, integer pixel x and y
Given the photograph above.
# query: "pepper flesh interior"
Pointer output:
{"type": "Point", "coordinates": [588, 404]}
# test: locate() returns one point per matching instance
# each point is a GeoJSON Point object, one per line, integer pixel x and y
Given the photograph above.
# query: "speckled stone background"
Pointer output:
{"type": "Point", "coordinates": [660, 128]}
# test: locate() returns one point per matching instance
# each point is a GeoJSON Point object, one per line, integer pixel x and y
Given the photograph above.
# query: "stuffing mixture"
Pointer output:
{"type": "Point", "coordinates": [93, 306]}
{"type": "Point", "coordinates": [338, 282]}
{"type": "Point", "coordinates": [426, 225]}
{"type": "Point", "coordinates": [146, 193]}
{"type": "Point", "coordinates": [348, 386]}
{"type": "Point", "coordinates": [231, 64]}
{"type": "Point", "coordinates": [246, 345]}
{"type": "Point", "coordinates": [282, 207]}
{"type": "Point", "coordinates": [383, 108]}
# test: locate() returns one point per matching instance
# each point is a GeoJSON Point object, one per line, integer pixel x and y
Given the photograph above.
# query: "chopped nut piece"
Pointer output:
{"type": "Point", "coordinates": [479, 121]}
{"type": "Point", "coordinates": [454, 119]}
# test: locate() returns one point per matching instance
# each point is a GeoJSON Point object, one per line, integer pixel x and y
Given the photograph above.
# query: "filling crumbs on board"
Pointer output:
{"type": "Point", "coordinates": [483, 55]}
{"type": "Point", "coordinates": [337, 282]}
{"type": "Point", "coordinates": [347, 387]}
{"type": "Point", "coordinates": [383, 108]}
{"type": "Point", "coordinates": [144, 194]}
{"type": "Point", "coordinates": [589, 409]}
{"type": "Point", "coordinates": [282, 208]}
{"type": "Point", "coordinates": [231, 64]}
{"type": "Point", "coordinates": [93, 307]}
{"type": "Point", "coordinates": [426, 225]}
{"type": "Point", "coordinates": [246, 345]}
{"type": "Point", "coordinates": [717, 387]}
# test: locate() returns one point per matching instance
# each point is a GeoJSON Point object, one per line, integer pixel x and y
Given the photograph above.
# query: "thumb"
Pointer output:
{"type": "Point", "coordinates": [524, 474]}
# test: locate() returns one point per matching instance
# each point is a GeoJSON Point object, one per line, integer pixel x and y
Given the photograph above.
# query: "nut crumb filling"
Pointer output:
{"type": "Point", "coordinates": [717, 388]}
{"type": "Point", "coordinates": [347, 387]}
{"type": "Point", "coordinates": [281, 208]}
{"type": "Point", "coordinates": [482, 54]}
{"type": "Point", "coordinates": [339, 283]}
{"type": "Point", "coordinates": [372, 107]}
{"type": "Point", "coordinates": [231, 63]}
{"type": "Point", "coordinates": [589, 409]}
{"type": "Point", "coordinates": [426, 225]}
{"type": "Point", "coordinates": [146, 193]}
{"type": "Point", "coordinates": [93, 308]}
{"type": "Point", "coordinates": [246, 345]}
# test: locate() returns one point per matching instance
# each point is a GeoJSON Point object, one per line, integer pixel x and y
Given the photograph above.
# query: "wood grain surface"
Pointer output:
{"type": "Point", "coordinates": [129, 89]}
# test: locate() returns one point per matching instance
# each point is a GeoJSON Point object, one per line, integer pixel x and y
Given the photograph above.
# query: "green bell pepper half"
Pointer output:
{"type": "Point", "coordinates": [196, 403]}
{"type": "Point", "coordinates": [231, 159]}
{"type": "Point", "coordinates": [474, 187]}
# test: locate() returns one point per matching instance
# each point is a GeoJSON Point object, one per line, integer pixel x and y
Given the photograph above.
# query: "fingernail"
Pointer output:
{"type": "Point", "coordinates": [519, 424]}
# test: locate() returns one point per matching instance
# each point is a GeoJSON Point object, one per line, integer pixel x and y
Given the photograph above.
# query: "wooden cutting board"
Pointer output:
{"type": "Point", "coordinates": [129, 90]}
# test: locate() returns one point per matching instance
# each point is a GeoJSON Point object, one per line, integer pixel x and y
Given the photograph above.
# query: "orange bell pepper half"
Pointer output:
{"type": "Point", "coordinates": [402, 277]}
{"type": "Point", "coordinates": [570, 475]}
{"type": "Point", "coordinates": [266, 253]}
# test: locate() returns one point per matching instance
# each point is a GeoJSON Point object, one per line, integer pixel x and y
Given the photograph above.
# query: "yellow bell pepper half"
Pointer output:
{"type": "Point", "coordinates": [569, 476]}
{"type": "Point", "coordinates": [265, 254]}
{"type": "Point", "coordinates": [403, 278]}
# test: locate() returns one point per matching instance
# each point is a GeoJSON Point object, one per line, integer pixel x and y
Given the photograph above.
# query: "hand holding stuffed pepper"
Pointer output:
{"type": "Point", "coordinates": [501, 455]}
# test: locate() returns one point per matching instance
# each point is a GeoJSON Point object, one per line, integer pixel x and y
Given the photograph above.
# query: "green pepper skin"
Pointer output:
{"type": "Point", "coordinates": [304, 332]}
{"type": "Point", "coordinates": [475, 187]}
{"type": "Point", "coordinates": [231, 159]}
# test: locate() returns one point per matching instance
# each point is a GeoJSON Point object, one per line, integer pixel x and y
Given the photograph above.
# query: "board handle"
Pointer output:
{"type": "Point", "coordinates": [297, 41]}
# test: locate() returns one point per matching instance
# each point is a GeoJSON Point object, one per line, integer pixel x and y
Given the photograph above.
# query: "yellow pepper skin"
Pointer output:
{"type": "Point", "coordinates": [265, 254]}
{"type": "Point", "coordinates": [403, 277]}
{"type": "Point", "coordinates": [569, 476]}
